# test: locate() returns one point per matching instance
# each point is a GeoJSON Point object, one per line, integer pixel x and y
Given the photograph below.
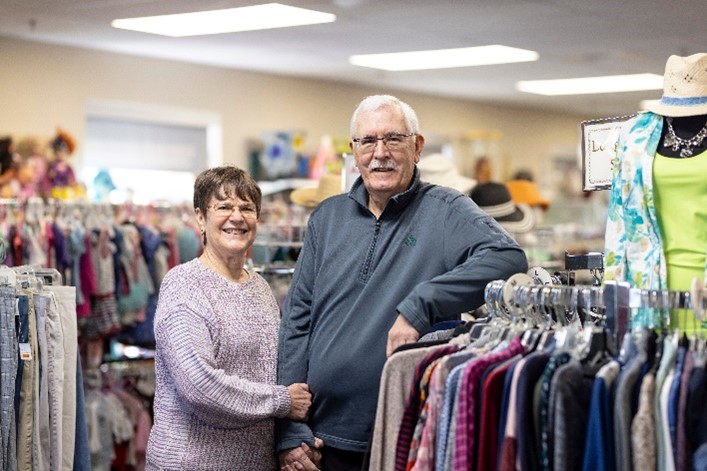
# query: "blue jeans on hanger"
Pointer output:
{"type": "Point", "coordinates": [82, 453]}
{"type": "Point", "coordinates": [22, 330]}
{"type": "Point", "coordinates": [8, 373]}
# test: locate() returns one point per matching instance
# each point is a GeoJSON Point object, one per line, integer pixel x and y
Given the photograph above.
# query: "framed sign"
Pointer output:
{"type": "Point", "coordinates": [599, 141]}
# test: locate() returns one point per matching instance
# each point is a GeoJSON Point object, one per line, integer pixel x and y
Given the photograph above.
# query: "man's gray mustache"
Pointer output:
{"type": "Point", "coordinates": [382, 164]}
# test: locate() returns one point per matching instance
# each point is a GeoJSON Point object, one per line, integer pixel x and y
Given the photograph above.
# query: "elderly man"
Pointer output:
{"type": "Point", "coordinates": [395, 255]}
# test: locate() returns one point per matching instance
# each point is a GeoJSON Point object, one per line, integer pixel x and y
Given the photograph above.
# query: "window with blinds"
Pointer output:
{"type": "Point", "coordinates": [149, 153]}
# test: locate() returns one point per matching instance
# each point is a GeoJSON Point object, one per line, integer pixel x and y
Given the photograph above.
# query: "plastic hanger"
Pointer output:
{"type": "Point", "coordinates": [7, 275]}
{"type": "Point", "coordinates": [48, 276]}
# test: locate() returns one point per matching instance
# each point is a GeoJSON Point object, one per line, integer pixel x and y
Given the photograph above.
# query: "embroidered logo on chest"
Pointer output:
{"type": "Point", "coordinates": [410, 240]}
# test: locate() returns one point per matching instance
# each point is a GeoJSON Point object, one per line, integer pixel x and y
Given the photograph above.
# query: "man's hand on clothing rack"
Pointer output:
{"type": "Point", "coordinates": [401, 333]}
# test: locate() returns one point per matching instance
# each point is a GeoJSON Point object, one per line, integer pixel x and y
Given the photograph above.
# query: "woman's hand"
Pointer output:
{"type": "Point", "coordinates": [301, 400]}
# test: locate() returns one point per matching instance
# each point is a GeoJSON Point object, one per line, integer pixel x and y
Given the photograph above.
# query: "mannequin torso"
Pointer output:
{"type": "Point", "coordinates": [680, 192]}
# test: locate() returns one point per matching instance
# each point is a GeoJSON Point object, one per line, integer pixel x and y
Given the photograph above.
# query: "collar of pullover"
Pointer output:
{"type": "Point", "coordinates": [359, 194]}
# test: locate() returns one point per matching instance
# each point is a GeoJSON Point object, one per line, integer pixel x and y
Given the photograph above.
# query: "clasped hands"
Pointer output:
{"type": "Point", "coordinates": [302, 458]}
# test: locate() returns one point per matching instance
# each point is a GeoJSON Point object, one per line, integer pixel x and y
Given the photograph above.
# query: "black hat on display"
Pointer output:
{"type": "Point", "coordinates": [684, 87]}
{"type": "Point", "coordinates": [495, 200]}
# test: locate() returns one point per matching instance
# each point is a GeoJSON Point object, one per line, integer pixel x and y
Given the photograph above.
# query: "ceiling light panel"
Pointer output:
{"type": "Point", "coordinates": [583, 86]}
{"type": "Point", "coordinates": [231, 20]}
{"type": "Point", "coordinates": [444, 58]}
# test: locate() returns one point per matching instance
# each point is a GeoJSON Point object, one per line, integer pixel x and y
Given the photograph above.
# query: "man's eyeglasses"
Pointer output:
{"type": "Point", "coordinates": [226, 209]}
{"type": "Point", "coordinates": [391, 140]}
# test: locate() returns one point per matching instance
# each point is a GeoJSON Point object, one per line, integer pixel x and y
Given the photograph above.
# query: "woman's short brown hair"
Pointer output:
{"type": "Point", "coordinates": [225, 182]}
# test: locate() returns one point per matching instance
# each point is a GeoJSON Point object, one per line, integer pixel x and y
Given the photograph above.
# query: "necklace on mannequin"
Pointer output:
{"type": "Point", "coordinates": [685, 146]}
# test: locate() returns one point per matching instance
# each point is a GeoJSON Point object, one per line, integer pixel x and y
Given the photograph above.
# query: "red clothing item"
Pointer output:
{"type": "Point", "coordinates": [491, 403]}
{"type": "Point", "coordinates": [121, 455]}
{"type": "Point", "coordinates": [88, 280]}
{"type": "Point", "coordinates": [466, 433]}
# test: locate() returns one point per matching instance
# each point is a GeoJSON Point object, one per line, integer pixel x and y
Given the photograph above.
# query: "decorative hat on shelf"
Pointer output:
{"type": "Point", "coordinates": [440, 170]}
{"type": "Point", "coordinates": [329, 184]}
{"type": "Point", "coordinates": [684, 87]}
{"type": "Point", "coordinates": [526, 192]}
{"type": "Point", "coordinates": [495, 200]}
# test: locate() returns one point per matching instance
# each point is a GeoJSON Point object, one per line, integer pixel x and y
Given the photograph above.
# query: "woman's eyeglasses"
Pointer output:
{"type": "Point", "coordinates": [224, 209]}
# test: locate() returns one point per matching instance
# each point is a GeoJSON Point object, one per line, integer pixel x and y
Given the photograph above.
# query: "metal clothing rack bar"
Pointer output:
{"type": "Point", "coordinates": [616, 308]}
{"type": "Point", "coordinates": [592, 261]}
{"type": "Point", "coordinates": [614, 299]}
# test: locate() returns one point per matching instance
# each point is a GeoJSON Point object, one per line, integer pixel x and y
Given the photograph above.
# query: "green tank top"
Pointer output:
{"type": "Point", "coordinates": [680, 197]}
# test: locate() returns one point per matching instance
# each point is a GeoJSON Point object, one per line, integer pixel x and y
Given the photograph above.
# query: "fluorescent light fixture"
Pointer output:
{"type": "Point", "coordinates": [231, 20]}
{"type": "Point", "coordinates": [444, 58]}
{"type": "Point", "coordinates": [582, 86]}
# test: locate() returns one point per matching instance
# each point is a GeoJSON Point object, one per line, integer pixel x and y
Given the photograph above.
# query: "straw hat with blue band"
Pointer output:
{"type": "Point", "coordinates": [684, 87]}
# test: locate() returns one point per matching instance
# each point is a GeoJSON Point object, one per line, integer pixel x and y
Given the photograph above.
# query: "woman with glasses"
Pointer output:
{"type": "Point", "coordinates": [216, 330]}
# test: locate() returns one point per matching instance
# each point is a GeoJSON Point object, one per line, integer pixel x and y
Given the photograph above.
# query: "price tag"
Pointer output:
{"type": "Point", "coordinates": [25, 352]}
{"type": "Point", "coordinates": [540, 275]}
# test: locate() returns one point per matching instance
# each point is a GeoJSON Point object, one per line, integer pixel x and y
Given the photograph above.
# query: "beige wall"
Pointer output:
{"type": "Point", "coordinates": [44, 86]}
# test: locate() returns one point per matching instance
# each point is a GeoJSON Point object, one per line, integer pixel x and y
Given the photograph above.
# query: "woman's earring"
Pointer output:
{"type": "Point", "coordinates": [203, 236]}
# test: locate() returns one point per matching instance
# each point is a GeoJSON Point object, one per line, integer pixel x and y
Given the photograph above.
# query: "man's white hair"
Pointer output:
{"type": "Point", "coordinates": [375, 102]}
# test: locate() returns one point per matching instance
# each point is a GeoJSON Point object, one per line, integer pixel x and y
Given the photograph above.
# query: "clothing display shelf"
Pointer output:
{"type": "Point", "coordinates": [274, 270]}
{"type": "Point", "coordinates": [281, 227]}
{"type": "Point", "coordinates": [280, 235]}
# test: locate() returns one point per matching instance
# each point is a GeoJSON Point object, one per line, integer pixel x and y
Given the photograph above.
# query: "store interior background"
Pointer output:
{"type": "Point", "coordinates": [63, 63]}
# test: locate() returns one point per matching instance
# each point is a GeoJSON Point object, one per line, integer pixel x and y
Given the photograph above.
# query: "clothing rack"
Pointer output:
{"type": "Point", "coordinates": [40, 357]}
{"type": "Point", "coordinates": [517, 388]}
{"type": "Point", "coordinates": [35, 206]}
{"type": "Point", "coordinates": [611, 304]}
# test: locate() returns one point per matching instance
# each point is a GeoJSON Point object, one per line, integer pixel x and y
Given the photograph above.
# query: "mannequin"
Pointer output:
{"type": "Point", "coordinates": [60, 174]}
{"type": "Point", "coordinates": [680, 197]}
{"type": "Point", "coordinates": [32, 172]}
{"type": "Point", "coordinates": [482, 170]}
{"type": "Point", "coordinates": [656, 232]}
